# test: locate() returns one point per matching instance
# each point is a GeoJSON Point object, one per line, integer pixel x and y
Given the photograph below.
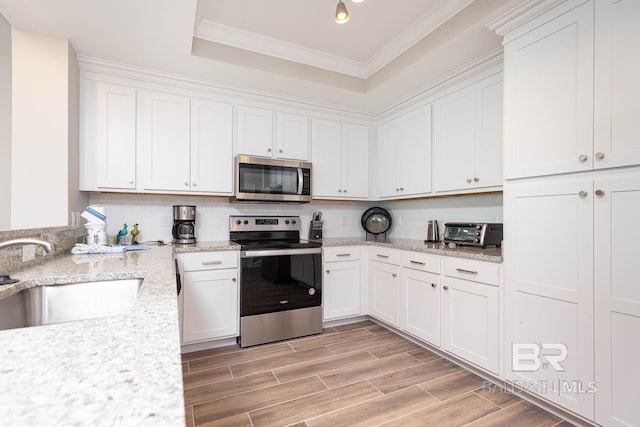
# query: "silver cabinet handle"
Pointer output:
{"type": "Point", "coordinates": [234, 279]}
{"type": "Point", "coordinates": [468, 180]}
{"type": "Point", "coordinates": [582, 194]}
{"type": "Point", "coordinates": [417, 262]}
{"type": "Point", "coordinates": [343, 254]}
{"type": "Point", "coordinates": [446, 288]}
{"type": "Point", "coordinates": [462, 270]}
{"type": "Point", "coordinates": [327, 271]}
{"type": "Point", "coordinates": [394, 275]}
{"type": "Point", "coordinates": [582, 158]}
{"type": "Point", "coordinates": [215, 262]}
{"type": "Point", "coordinates": [382, 256]}
{"type": "Point", "coordinates": [433, 285]}
{"type": "Point", "coordinates": [599, 193]}
{"type": "Point", "coordinates": [476, 179]}
{"type": "Point", "coordinates": [599, 155]}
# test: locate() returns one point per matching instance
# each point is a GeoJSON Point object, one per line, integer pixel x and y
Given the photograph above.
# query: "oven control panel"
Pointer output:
{"type": "Point", "coordinates": [264, 223]}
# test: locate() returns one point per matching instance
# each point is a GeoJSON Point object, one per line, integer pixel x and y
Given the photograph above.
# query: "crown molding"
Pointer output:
{"type": "Point", "coordinates": [516, 13]}
{"type": "Point", "coordinates": [254, 42]}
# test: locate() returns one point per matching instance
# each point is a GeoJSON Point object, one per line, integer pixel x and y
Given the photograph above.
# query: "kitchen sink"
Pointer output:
{"type": "Point", "coordinates": [44, 305]}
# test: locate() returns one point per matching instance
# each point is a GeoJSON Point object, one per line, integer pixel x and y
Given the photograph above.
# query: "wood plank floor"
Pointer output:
{"type": "Point", "coordinates": [353, 375]}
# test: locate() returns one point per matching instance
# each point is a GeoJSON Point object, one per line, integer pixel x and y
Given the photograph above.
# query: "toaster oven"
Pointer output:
{"type": "Point", "coordinates": [481, 234]}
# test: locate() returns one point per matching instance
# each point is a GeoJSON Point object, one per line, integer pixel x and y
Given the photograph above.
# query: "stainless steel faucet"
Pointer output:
{"type": "Point", "coordinates": [47, 246]}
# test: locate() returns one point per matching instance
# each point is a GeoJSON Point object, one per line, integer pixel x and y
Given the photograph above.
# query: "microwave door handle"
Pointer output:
{"type": "Point", "coordinates": [300, 181]}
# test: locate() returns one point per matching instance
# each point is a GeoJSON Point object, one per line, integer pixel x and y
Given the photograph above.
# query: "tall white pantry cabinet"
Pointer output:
{"type": "Point", "coordinates": [571, 195]}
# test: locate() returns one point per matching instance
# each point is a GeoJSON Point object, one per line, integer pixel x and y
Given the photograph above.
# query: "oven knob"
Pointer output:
{"type": "Point", "coordinates": [238, 222]}
{"type": "Point", "coordinates": [478, 227]}
{"type": "Point", "coordinates": [293, 221]}
{"type": "Point", "coordinates": [286, 222]}
{"type": "Point", "coordinates": [312, 291]}
{"type": "Point", "coordinates": [476, 240]}
{"type": "Point", "coordinates": [246, 222]}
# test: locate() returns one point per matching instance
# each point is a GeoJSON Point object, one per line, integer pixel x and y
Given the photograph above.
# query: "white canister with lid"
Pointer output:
{"type": "Point", "coordinates": [96, 233]}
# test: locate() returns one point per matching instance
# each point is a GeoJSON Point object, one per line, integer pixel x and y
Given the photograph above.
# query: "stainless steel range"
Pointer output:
{"type": "Point", "coordinates": [280, 279]}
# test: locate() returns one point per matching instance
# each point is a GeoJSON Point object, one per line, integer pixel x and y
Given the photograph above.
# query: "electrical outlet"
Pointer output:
{"type": "Point", "coordinates": [345, 220]}
{"type": "Point", "coordinates": [165, 221]}
{"type": "Point", "coordinates": [399, 220]}
{"type": "Point", "coordinates": [28, 253]}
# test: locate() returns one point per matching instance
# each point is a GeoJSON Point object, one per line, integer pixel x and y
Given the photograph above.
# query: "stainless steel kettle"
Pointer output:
{"type": "Point", "coordinates": [433, 234]}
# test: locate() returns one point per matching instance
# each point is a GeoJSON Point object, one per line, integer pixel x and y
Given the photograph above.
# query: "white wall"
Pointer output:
{"type": "Point", "coordinates": [341, 219]}
{"type": "Point", "coordinates": [5, 123]}
{"type": "Point", "coordinates": [41, 134]}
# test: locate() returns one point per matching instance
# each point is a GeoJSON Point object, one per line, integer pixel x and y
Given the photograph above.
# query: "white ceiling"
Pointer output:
{"type": "Point", "coordinates": [292, 48]}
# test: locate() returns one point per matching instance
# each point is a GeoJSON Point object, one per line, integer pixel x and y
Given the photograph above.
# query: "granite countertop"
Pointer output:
{"type": "Point", "coordinates": [222, 245]}
{"type": "Point", "coordinates": [118, 370]}
{"type": "Point", "coordinates": [489, 254]}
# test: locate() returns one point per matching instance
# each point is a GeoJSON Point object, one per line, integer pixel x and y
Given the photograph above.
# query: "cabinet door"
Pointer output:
{"type": "Point", "coordinates": [549, 95]}
{"type": "Point", "coordinates": [210, 305]}
{"type": "Point", "coordinates": [211, 147]}
{"type": "Point", "coordinates": [414, 155]}
{"type": "Point", "coordinates": [255, 132]}
{"type": "Point", "coordinates": [165, 142]}
{"type": "Point", "coordinates": [355, 161]}
{"type": "Point", "coordinates": [387, 147]}
{"type": "Point", "coordinates": [549, 286]}
{"type": "Point", "coordinates": [488, 141]}
{"type": "Point", "coordinates": [341, 289]}
{"type": "Point", "coordinates": [617, 302]}
{"type": "Point", "coordinates": [617, 93]}
{"type": "Point", "coordinates": [384, 282]}
{"type": "Point", "coordinates": [292, 137]}
{"type": "Point", "coordinates": [454, 139]}
{"type": "Point", "coordinates": [327, 158]}
{"type": "Point", "coordinates": [115, 137]}
{"type": "Point", "coordinates": [420, 304]}
{"type": "Point", "coordinates": [470, 322]}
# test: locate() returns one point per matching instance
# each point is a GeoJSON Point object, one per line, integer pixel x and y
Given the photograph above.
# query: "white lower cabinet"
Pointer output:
{"type": "Point", "coordinates": [420, 296]}
{"type": "Point", "coordinates": [209, 298]}
{"type": "Point", "coordinates": [341, 283]}
{"type": "Point", "coordinates": [384, 285]}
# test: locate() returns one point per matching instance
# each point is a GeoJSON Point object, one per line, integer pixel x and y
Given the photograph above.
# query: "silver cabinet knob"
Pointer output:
{"type": "Point", "coordinates": [401, 189]}
{"type": "Point", "coordinates": [268, 150]}
{"type": "Point", "coordinates": [582, 158]}
{"type": "Point", "coordinates": [195, 184]}
{"type": "Point", "coordinates": [476, 179]}
{"type": "Point", "coordinates": [327, 271]}
{"type": "Point", "coordinates": [186, 183]}
{"type": "Point", "coordinates": [468, 180]}
{"type": "Point", "coordinates": [397, 189]}
{"type": "Point", "coordinates": [234, 279]}
{"type": "Point", "coordinates": [339, 191]}
{"type": "Point", "coordinates": [344, 191]}
{"type": "Point", "coordinates": [394, 275]}
{"type": "Point", "coordinates": [582, 194]}
{"type": "Point", "coordinates": [433, 285]}
{"type": "Point", "coordinates": [599, 193]}
{"type": "Point", "coordinates": [599, 155]}
{"type": "Point", "coordinates": [130, 181]}
{"type": "Point", "coordinates": [280, 151]}
{"type": "Point", "coordinates": [446, 288]}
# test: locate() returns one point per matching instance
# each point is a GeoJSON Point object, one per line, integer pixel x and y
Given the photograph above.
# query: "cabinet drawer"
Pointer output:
{"type": "Point", "coordinates": [341, 253]}
{"type": "Point", "coordinates": [211, 260]}
{"type": "Point", "coordinates": [476, 271]}
{"type": "Point", "coordinates": [389, 256]}
{"type": "Point", "coordinates": [420, 261]}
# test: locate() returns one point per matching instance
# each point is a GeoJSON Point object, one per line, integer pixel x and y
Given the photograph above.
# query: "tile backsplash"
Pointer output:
{"type": "Point", "coordinates": [154, 214]}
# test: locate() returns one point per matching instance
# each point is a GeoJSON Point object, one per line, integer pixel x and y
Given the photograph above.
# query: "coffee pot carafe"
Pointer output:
{"type": "Point", "coordinates": [433, 233]}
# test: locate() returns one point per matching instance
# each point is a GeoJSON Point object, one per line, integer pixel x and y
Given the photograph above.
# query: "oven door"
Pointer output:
{"type": "Point", "coordinates": [279, 280]}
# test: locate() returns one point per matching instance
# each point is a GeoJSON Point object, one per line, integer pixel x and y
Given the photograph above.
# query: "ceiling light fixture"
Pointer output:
{"type": "Point", "coordinates": [342, 15]}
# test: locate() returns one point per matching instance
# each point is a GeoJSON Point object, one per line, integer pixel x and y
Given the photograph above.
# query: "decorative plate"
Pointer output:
{"type": "Point", "coordinates": [376, 220]}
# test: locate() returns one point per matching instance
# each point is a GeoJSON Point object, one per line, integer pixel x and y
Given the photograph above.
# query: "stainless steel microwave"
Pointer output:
{"type": "Point", "coordinates": [272, 180]}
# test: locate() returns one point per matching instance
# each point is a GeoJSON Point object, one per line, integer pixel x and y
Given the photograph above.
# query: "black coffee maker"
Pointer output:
{"type": "Point", "coordinates": [184, 224]}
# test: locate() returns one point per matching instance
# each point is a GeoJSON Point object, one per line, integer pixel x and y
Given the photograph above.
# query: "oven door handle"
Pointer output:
{"type": "Point", "coordinates": [278, 252]}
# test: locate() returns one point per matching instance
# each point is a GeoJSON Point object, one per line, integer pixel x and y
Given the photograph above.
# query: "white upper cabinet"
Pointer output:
{"type": "Point", "coordinates": [256, 135]}
{"type": "Point", "coordinates": [548, 85]}
{"type": "Point", "coordinates": [340, 160]}
{"type": "Point", "coordinates": [211, 147]}
{"type": "Point", "coordinates": [165, 141]}
{"type": "Point", "coordinates": [617, 92]}
{"type": "Point", "coordinates": [109, 144]}
{"type": "Point", "coordinates": [403, 155]}
{"type": "Point", "coordinates": [292, 136]}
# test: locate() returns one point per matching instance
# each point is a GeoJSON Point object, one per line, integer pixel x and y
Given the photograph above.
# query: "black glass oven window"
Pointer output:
{"type": "Point", "coordinates": [267, 179]}
{"type": "Point", "coordinates": [278, 283]}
